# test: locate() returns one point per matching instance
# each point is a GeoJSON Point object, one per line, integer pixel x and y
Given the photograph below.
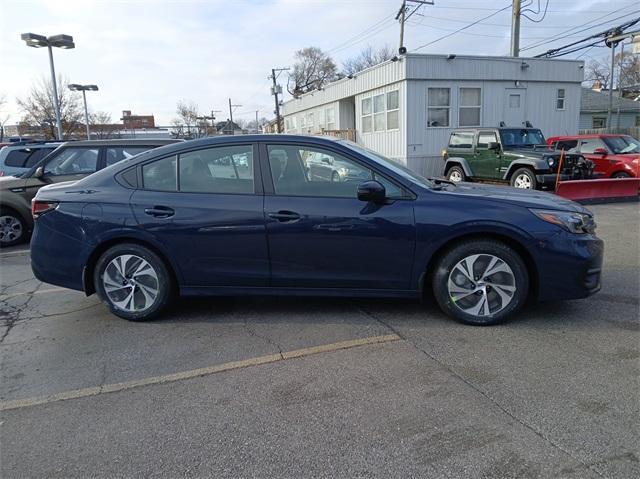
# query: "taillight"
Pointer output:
{"type": "Point", "coordinates": [38, 208]}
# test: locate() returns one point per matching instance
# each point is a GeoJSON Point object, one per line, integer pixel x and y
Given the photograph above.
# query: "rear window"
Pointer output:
{"type": "Point", "coordinates": [461, 139]}
{"type": "Point", "coordinates": [17, 158]}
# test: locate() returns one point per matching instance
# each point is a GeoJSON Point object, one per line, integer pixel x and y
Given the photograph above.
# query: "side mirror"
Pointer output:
{"type": "Point", "coordinates": [328, 161]}
{"type": "Point", "coordinates": [39, 172]}
{"type": "Point", "coordinates": [372, 191]}
{"type": "Point", "coordinates": [600, 151]}
{"type": "Point", "coordinates": [494, 145]}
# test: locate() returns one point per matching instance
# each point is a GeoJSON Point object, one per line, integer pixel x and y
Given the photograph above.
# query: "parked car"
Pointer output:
{"type": "Point", "coordinates": [69, 162]}
{"type": "Point", "coordinates": [518, 156]}
{"type": "Point", "coordinates": [323, 167]}
{"type": "Point", "coordinates": [615, 156]}
{"type": "Point", "coordinates": [17, 158]}
{"type": "Point", "coordinates": [166, 222]}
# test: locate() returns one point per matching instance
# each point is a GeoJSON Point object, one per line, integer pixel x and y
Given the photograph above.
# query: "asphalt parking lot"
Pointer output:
{"type": "Point", "coordinates": [325, 388]}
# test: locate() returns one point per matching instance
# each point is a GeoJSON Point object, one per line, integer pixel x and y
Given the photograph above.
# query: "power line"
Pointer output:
{"type": "Point", "coordinates": [462, 28]}
{"type": "Point", "coordinates": [377, 27]}
{"type": "Point", "coordinates": [574, 30]}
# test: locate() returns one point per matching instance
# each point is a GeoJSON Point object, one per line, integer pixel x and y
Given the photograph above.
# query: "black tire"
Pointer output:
{"type": "Point", "coordinates": [621, 174]}
{"type": "Point", "coordinates": [13, 228]}
{"type": "Point", "coordinates": [164, 282]}
{"type": "Point", "coordinates": [524, 172]}
{"type": "Point", "coordinates": [485, 248]}
{"type": "Point", "coordinates": [455, 172]}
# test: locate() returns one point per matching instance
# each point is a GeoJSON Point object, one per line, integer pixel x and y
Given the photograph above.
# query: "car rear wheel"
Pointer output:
{"type": "Point", "coordinates": [13, 229]}
{"type": "Point", "coordinates": [621, 174]}
{"type": "Point", "coordinates": [456, 174]}
{"type": "Point", "coordinates": [481, 282]}
{"type": "Point", "coordinates": [133, 282]}
{"type": "Point", "coordinates": [524, 179]}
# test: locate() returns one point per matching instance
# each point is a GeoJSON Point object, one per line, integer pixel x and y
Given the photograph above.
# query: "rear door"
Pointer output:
{"type": "Point", "coordinates": [205, 207]}
{"type": "Point", "coordinates": [321, 236]}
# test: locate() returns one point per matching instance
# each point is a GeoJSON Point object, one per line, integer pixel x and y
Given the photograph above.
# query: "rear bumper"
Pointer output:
{"type": "Point", "coordinates": [569, 266]}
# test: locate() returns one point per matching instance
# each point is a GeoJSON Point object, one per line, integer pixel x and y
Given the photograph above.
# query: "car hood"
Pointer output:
{"type": "Point", "coordinates": [525, 198]}
{"type": "Point", "coordinates": [537, 152]}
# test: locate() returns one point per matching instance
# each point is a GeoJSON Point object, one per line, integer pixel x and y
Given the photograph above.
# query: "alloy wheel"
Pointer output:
{"type": "Point", "coordinates": [455, 176]}
{"type": "Point", "coordinates": [131, 283]}
{"type": "Point", "coordinates": [481, 285]}
{"type": "Point", "coordinates": [522, 181]}
{"type": "Point", "coordinates": [10, 229]}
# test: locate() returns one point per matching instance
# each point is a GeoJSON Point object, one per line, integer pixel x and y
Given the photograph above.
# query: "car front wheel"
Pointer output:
{"type": "Point", "coordinates": [481, 282]}
{"type": "Point", "coordinates": [524, 179]}
{"type": "Point", "coordinates": [621, 174]}
{"type": "Point", "coordinates": [456, 174]}
{"type": "Point", "coordinates": [133, 282]}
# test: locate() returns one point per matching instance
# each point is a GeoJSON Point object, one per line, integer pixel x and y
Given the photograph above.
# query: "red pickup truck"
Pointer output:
{"type": "Point", "coordinates": [615, 156]}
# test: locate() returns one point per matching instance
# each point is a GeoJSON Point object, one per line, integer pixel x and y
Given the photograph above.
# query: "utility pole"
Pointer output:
{"type": "Point", "coordinates": [204, 118]}
{"type": "Point", "coordinates": [515, 28]}
{"type": "Point", "coordinates": [403, 17]}
{"type": "Point", "coordinates": [231, 107]}
{"type": "Point", "coordinates": [257, 120]}
{"type": "Point", "coordinates": [275, 91]}
{"type": "Point", "coordinates": [620, 84]}
{"type": "Point", "coordinates": [615, 37]}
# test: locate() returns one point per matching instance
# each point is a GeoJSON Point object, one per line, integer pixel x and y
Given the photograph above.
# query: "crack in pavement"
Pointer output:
{"type": "Point", "coordinates": [268, 340]}
{"type": "Point", "coordinates": [491, 399]}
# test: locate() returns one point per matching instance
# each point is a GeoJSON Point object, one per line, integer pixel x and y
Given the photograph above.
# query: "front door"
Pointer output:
{"type": "Point", "coordinates": [514, 107]}
{"type": "Point", "coordinates": [205, 208]}
{"type": "Point", "coordinates": [487, 162]}
{"type": "Point", "coordinates": [321, 236]}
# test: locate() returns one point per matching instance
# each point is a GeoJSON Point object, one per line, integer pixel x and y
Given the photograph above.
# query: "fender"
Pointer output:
{"type": "Point", "coordinates": [427, 247]}
{"type": "Point", "coordinates": [538, 164]}
{"type": "Point", "coordinates": [462, 162]}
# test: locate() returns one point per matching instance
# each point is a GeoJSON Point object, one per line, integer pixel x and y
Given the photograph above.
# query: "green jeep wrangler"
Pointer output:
{"type": "Point", "coordinates": [518, 156]}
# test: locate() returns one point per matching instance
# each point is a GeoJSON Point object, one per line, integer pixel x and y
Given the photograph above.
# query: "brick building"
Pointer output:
{"type": "Point", "coordinates": [137, 122]}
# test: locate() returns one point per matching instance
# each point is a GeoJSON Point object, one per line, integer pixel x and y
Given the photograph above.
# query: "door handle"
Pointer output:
{"type": "Point", "coordinates": [284, 216]}
{"type": "Point", "coordinates": [159, 211]}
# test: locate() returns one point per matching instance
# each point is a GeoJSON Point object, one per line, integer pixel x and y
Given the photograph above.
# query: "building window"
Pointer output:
{"type": "Point", "coordinates": [310, 121]}
{"type": "Point", "coordinates": [637, 120]}
{"type": "Point", "coordinates": [367, 122]}
{"type": "Point", "coordinates": [378, 113]}
{"type": "Point", "coordinates": [469, 109]}
{"type": "Point", "coordinates": [599, 122]}
{"type": "Point", "coordinates": [330, 114]}
{"type": "Point", "coordinates": [439, 106]}
{"type": "Point", "coordinates": [393, 105]}
{"type": "Point", "coordinates": [560, 99]}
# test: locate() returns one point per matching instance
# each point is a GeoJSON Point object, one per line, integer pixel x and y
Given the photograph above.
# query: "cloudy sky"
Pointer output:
{"type": "Point", "coordinates": [148, 55]}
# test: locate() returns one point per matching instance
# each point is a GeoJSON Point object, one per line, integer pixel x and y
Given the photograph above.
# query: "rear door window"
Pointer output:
{"type": "Point", "coordinates": [223, 169]}
{"type": "Point", "coordinates": [119, 153]}
{"type": "Point", "coordinates": [486, 137]}
{"type": "Point", "coordinates": [161, 175]}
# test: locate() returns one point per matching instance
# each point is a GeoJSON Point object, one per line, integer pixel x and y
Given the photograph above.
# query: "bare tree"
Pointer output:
{"type": "Point", "coordinates": [102, 126]}
{"type": "Point", "coordinates": [368, 57]}
{"type": "Point", "coordinates": [4, 118]}
{"type": "Point", "coordinates": [186, 124]}
{"type": "Point", "coordinates": [627, 71]}
{"type": "Point", "coordinates": [312, 69]}
{"type": "Point", "coordinates": [39, 112]}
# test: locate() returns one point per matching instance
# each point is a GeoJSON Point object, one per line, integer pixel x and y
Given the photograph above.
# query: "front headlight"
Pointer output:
{"type": "Point", "coordinates": [551, 161]}
{"type": "Point", "coordinates": [578, 223]}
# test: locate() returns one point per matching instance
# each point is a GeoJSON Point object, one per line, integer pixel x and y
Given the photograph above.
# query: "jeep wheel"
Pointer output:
{"type": "Point", "coordinates": [481, 282]}
{"type": "Point", "coordinates": [456, 174]}
{"type": "Point", "coordinates": [524, 178]}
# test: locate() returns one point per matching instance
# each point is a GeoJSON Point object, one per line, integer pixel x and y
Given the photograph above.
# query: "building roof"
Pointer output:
{"type": "Point", "coordinates": [595, 101]}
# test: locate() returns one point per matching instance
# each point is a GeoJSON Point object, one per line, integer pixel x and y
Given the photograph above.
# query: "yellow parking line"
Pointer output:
{"type": "Point", "coordinates": [39, 291]}
{"type": "Point", "coordinates": [194, 373]}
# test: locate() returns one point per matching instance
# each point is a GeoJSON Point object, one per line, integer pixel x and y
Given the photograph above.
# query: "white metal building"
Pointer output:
{"type": "Point", "coordinates": [405, 109]}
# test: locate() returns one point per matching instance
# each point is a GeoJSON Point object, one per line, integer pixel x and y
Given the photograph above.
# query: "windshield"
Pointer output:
{"type": "Point", "coordinates": [620, 145]}
{"type": "Point", "coordinates": [521, 137]}
{"type": "Point", "coordinates": [390, 164]}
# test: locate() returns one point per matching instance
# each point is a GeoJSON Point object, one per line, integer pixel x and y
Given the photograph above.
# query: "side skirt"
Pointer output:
{"type": "Point", "coordinates": [266, 291]}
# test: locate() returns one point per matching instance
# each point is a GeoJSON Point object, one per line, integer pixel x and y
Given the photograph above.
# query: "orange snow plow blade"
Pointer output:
{"type": "Point", "coordinates": [593, 191]}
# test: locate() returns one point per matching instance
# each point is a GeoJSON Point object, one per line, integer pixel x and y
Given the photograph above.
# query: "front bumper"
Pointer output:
{"type": "Point", "coordinates": [569, 266]}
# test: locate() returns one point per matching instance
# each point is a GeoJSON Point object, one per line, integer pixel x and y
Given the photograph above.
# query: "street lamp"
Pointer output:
{"type": "Point", "coordinates": [58, 41]}
{"type": "Point", "coordinates": [84, 89]}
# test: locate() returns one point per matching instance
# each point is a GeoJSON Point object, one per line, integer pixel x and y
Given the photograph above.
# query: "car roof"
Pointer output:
{"type": "Point", "coordinates": [37, 144]}
{"type": "Point", "coordinates": [590, 135]}
{"type": "Point", "coordinates": [125, 142]}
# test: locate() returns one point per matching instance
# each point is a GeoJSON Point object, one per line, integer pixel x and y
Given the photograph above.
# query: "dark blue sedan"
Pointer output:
{"type": "Point", "coordinates": [242, 215]}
